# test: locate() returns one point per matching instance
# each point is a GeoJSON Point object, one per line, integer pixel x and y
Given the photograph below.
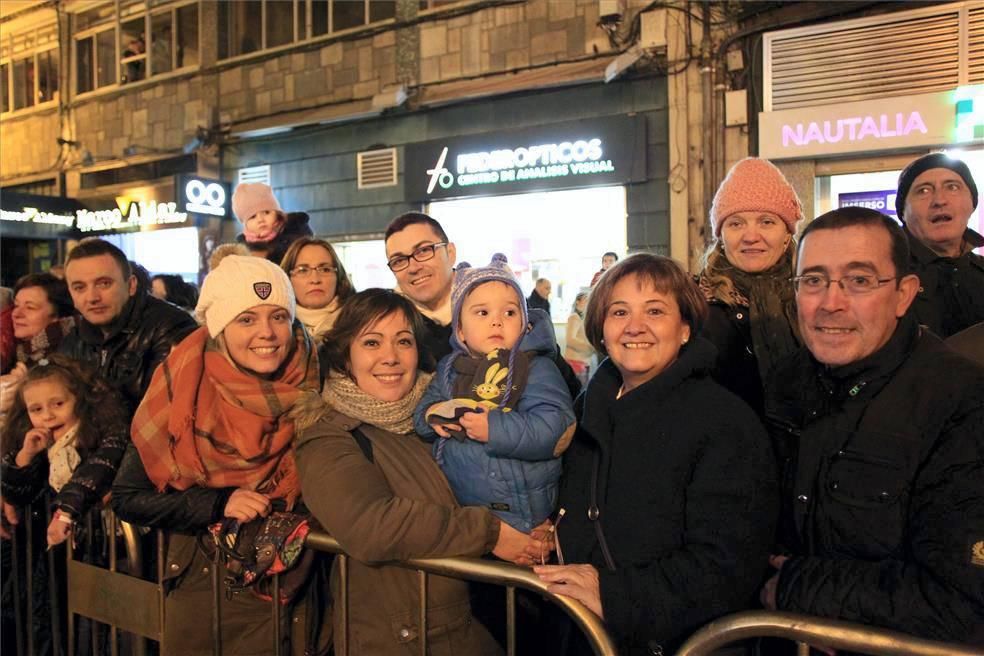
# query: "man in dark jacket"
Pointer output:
{"type": "Point", "coordinates": [879, 429]}
{"type": "Point", "coordinates": [540, 296]}
{"type": "Point", "coordinates": [123, 333]}
{"type": "Point", "coordinates": [935, 199]}
{"type": "Point", "coordinates": [422, 259]}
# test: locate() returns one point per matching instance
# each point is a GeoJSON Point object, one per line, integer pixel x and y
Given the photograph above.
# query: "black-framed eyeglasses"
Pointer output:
{"type": "Point", "coordinates": [421, 254]}
{"type": "Point", "coordinates": [306, 271]}
{"type": "Point", "coordinates": [856, 285]}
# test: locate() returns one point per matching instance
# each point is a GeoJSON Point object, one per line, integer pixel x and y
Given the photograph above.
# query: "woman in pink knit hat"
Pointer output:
{"type": "Point", "coordinates": [746, 273]}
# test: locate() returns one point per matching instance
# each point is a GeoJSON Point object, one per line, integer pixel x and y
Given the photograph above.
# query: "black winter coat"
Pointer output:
{"type": "Point", "coordinates": [139, 340]}
{"type": "Point", "coordinates": [686, 497]}
{"type": "Point", "coordinates": [951, 290]}
{"type": "Point", "coordinates": [884, 488]}
{"type": "Point", "coordinates": [729, 328]}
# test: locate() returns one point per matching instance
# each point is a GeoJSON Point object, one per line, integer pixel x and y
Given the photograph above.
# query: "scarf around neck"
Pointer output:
{"type": "Point", "coordinates": [204, 421]}
{"type": "Point", "coordinates": [319, 321]}
{"type": "Point", "coordinates": [771, 306]}
{"type": "Point", "coordinates": [39, 347]}
{"type": "Point", "coordinates": [63, 459]}
{"type": "Point", "coordinates": [342, 394]}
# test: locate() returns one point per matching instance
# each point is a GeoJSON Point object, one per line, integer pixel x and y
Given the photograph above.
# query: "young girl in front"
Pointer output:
{"type": "Point", "coordinates": [66, 430]}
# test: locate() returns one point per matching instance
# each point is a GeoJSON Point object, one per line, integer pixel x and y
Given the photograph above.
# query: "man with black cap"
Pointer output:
{"type": "Point", "coordinates": [936, 197]}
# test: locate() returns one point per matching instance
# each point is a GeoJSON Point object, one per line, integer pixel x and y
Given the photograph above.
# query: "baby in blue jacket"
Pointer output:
{"type": "Point", "coordinates": [500, 407]}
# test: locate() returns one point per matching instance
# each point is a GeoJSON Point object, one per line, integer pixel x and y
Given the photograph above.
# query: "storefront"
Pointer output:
{"type": "Point", "coordinates": [855, 151]}
{"type": "Point", "coordinates": [169, 226]}
{"type": "Point", "coordinates": [553, 179]}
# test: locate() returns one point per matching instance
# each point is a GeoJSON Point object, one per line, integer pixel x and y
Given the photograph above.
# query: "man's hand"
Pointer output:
{"type": "Point", "coordinates": [575, 581]}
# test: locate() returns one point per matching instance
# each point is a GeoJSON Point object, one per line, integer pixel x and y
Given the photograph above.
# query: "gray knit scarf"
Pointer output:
{"type": "Point", "coordinates": [344, 395]}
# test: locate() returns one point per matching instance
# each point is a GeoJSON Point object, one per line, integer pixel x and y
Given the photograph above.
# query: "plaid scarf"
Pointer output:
{"type": "Point", "coordinates": [39, 347]}
{"type": "Point", "coordinates": [206, 422]}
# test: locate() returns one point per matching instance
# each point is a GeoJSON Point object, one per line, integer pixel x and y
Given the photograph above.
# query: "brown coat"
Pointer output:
{"type": "Point", "coordinates": [397, 507]}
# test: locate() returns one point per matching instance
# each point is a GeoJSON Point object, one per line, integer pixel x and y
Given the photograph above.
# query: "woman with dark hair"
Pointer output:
{"type": "Point", "coordinates": [372, 483]}
{"type": "Point", "coordinates": [320, 282]}
{"type": "Point", "coordinates": [746, 277]}
{"type": "Point", "coordinates": [213, 450]}
{"type": "Point", "coordinates": [173, 289]}
{"type": "Point", "coordinates": [669, 490]}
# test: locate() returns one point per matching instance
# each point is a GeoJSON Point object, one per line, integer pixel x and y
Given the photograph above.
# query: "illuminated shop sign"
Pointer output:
{"type": "Point", "coordinates": [135, 214]}
{"type": "Point", "coordinates": [582, 153]}
{"type": "Point", "coordinates": [204, 196]}
{"type": "Point", "coordinates": [881, 201]}
{"type": "Point", "coordinates": [34, 215]}
{"type": "Point", "coordinates": [933, 119]}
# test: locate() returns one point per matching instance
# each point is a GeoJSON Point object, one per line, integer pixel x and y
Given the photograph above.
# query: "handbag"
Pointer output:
{"type": "Point", "coordinates": [253, 552]}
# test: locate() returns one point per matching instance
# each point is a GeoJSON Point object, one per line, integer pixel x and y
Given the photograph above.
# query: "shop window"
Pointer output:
{"type": "Point", "coordinates": [240, 33]}
{"type": "Point", "coordinates": [380, 10]}
{"type": "Point", "coordinates": [133, 51]}
{"type": "Point", "coordinates": [161, 43]}
{"type": "Point", "coordinates": [186, 37]}
{"type": "Point", "coordinates": [279, 23]}
{"type": "Point", "coordinates": [346, 15]}
{"type": "Point", "coordinates": [84, 68]}
{"type": "Point", "coordinates": [29, 81]}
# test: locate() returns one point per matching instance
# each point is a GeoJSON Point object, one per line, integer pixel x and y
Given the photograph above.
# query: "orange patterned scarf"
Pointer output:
{"type": "Point", "coordinates": [206, 422]}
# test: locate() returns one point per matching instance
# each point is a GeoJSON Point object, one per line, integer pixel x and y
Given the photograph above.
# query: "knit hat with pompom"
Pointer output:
{"type": "Point", "coordinates": [756, 185]}
{"type": "Point", "coordinates": [467, 278]}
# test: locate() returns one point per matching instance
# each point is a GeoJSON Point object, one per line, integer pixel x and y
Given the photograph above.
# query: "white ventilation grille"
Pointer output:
{"type": "Point", "coordinates": [975, 45]}
{"type": "Point", "coordinates": [376, 168]}
{"type": "Point", "coordinates": [255, 174]}
{"type": "Point", "coordinates": [904, 53]}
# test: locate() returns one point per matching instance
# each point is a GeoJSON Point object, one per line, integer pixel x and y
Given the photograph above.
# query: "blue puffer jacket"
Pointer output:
{"type": "Point", "coordinates": [516, 473]}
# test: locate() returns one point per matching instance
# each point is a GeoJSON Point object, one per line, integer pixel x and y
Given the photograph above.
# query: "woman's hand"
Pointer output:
{"type": "Point", "coordinates": [441, 429]}
{"type": "Point", "coordinates": [476, 425]}
{"type": "Point", "coordinates": [59, 529]}
{"type": "Point", "coordinates": [515, 546]}
{"type": "Point", "coordinates": [35, 441]}
{"type": "Point", "coordinates": [246, 505]}
{"type": "Point", "coordinates": [575, 581]}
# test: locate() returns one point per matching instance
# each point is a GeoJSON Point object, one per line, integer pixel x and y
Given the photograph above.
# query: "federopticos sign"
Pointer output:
{"type": "Point", "coordinates": [932, 119]}
{"type": "Point", "coordinates": [575, 154]}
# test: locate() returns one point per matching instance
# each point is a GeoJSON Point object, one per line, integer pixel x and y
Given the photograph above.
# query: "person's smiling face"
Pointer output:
{"type": "Point", "coordinates": [383, 358]}
{"type": "Point", "coordinates": [426, 283]}
{"type": "Point", "coordinates": [643, 330]}
{"type": "Point", "coordinates": [754, 241]}
{"type": "Point", "coordinates": [259, 339]}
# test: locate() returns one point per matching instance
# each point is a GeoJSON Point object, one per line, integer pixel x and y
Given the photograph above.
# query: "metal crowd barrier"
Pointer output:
{"type": "Point", "coordinates": [809, 630]}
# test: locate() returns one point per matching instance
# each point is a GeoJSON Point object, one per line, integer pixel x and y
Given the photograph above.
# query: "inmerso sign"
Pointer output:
{"type": "Point", "coordinates": [576, 154]}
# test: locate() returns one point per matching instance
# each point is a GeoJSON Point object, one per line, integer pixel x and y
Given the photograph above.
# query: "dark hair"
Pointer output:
{"type": "Point", "coordinates": [666, 275]}
{"type": "Point", "coordinates": [142, 275]}
{"type": "Point", "coordinates": [610, 254]}
{"type": "Point", "coordinates": [55, 288]}
{"type": "Point", "coordinates": [411, 218]}
{"type": "Point", "coordinates": [94, 247]}
{"type": "Point", "coordinates": [178, 291]}
{"type": "Point", "coordinates": [97, 406]}
{"type": "Point", "coordinates": [849, 217]}
{"type": "Point", "coordinates": [343, 286]}
{"type": "Point", "coordinates": [362, 310]}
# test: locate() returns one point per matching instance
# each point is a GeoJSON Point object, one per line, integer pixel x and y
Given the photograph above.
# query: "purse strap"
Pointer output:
{"type": "Point", "coordinates": [364, 443]}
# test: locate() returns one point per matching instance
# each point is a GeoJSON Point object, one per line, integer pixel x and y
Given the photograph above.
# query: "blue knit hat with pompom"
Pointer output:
{"type": "Point", "coordinates": [467, 278]}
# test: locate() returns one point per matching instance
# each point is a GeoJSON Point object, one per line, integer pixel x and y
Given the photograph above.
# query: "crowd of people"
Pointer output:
{"type": "Point", "coordinates": [798, 426]}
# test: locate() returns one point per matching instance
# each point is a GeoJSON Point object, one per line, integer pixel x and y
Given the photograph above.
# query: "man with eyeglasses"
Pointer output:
{"type": "Point", "coordinates": [879, 428]}
{"type": "Point", "coordinates": [936, 196]}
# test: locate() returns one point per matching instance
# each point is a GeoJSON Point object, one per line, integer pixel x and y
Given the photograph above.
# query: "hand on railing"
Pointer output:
{"type": "Point", "coordinates": [768, 595]}
{"type": "Point", "coordinates": [575, 581]}
{"type": "Point", "coordinates": [246, 505]}
{"type": "Point", "coordinates": [9, 519]}
{"type": "Point", "coordinates": [60, 528]}
{"type": "Point", "coordinates": [515, 546]}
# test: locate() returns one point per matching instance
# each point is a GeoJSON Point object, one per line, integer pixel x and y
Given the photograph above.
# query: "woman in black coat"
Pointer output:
{"type": "Point", "coordinates": [669, 487]}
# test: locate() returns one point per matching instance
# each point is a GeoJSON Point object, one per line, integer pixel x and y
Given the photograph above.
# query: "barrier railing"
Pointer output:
{"type": "Point", "coordinates": [810, 630]}
{"type": "Point", "coordinates": [474, 569]}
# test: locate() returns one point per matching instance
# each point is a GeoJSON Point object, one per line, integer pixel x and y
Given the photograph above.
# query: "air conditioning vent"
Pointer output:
{"type": "Point", "coordinates": [904, 53]}
{"type": "Point", "coordinates": [975, 45]}
{"type": "Point", "coordinates": [376, 168]}
{"type": "Point", "coordinates": [255, 174]}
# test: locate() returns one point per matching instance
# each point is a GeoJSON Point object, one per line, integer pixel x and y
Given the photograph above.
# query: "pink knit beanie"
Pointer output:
{"type": "Point", "coordinates": [252, 197]}
{"type": "Point", "coordinates": [755, 185]}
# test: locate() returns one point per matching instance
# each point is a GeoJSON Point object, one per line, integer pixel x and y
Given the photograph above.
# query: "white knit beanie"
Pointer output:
{"type": "Point", "coordinates": [239, 283]}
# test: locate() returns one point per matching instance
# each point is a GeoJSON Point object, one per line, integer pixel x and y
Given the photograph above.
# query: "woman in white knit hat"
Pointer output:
{"type": "Point", "coordinates": [213, 443]}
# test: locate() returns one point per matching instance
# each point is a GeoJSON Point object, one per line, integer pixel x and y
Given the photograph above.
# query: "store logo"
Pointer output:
{"type": "Point", "coordinates": [33, 215]}
{"type": "Point", "coordinates": [205, 198]}
{"type": "Point", "coordinates": [855, 128]}
{"type": "Point", "coordinates": [439, 174]}
{"type": "Point", "coordinates": [129, 214]}
{"type": "Point", "coordinates": [263, 289]}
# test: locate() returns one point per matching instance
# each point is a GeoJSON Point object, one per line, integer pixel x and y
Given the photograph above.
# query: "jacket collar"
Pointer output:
{"type": "Point", "coordinates": [925, 255]}
{"type": "Point", "coordinates": [132, 310]}
{"type": "Point", "coordinates": [601, 407]}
